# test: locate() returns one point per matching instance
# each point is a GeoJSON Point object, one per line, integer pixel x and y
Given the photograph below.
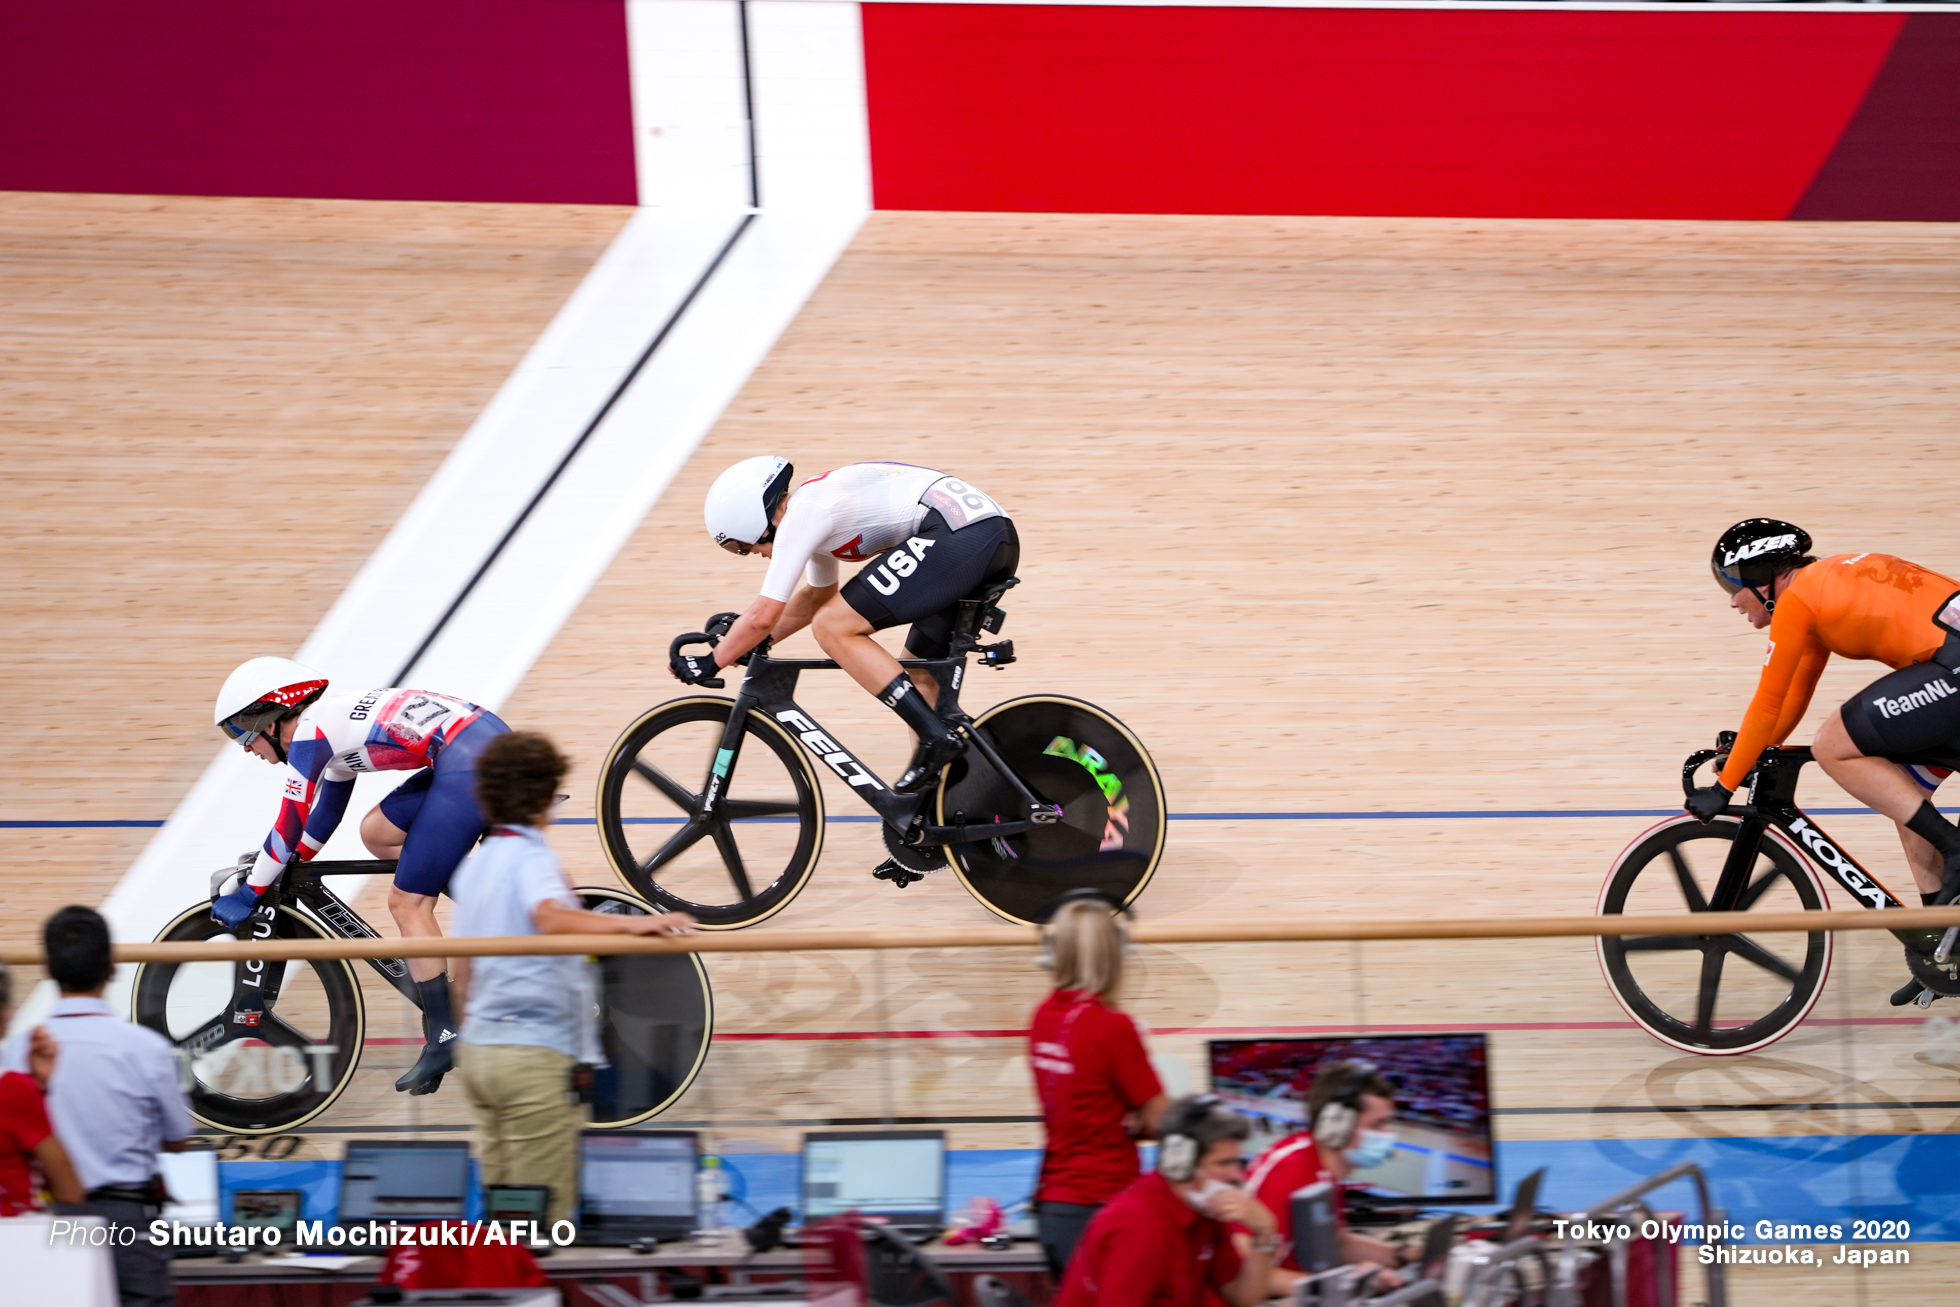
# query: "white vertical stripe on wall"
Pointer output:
{"type": "Point", "coordinates": [812, 132]}
{"type": "Point", "coordinates": [690, 137]}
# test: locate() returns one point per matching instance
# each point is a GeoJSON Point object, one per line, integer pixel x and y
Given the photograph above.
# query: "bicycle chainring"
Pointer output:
{"type": "Point", "coordinates": [1942, 980]}
{"type": "Point", "coordinates": [921, 859]}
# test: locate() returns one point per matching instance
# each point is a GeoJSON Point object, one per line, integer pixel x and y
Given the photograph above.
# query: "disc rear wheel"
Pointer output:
{"type": "Point", "coordinates": [656, 1017]}
{"type": "Point", "coordinates": [1074, 754]}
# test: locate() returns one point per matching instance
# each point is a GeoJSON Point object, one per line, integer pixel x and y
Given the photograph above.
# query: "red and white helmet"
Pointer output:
{"type": "Point", "coordinates": [263, 692]}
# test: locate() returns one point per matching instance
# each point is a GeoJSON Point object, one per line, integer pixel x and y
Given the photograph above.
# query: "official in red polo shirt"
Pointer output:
{"type": "Point", "coordinates": [1186, 1235]}
{"type": "Point", "coordinates": [1098, 1093]}
{"type": "Point", "coordinates": [1351, 1106]}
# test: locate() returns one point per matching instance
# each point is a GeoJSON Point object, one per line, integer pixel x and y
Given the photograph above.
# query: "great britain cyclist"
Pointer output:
{"type": "Point", "coordinates": [277, 710]}
{"type": "Point", "coordinates": [1871, 606]}
{"type": "Point", "coordinates": [926, 540]}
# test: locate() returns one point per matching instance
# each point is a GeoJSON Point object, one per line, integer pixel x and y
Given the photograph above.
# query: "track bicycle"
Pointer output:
{"type": "Point", "coordinates": [268, 1046]}
{"type": "Point", "coordinates": [1763, 855]}
{"type": "Point", "coordinates": [1054, 793]}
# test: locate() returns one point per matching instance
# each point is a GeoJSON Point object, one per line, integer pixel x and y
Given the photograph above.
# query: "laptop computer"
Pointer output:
{"type": "Point", "coordinates": [636, 1185]}
{"type": "Point", "coordinates": [896, 1176]}
{"type": "Point", "coordinates": [273, 1209]}
{"type": "Point", "coordinates": [1524, 1206]}
{"type": "Point", "coordinates": [404, 1180]}
{"type": "Point", "coordinates": [192, 1179]}
{"type": "Point", "coordinates": [517, 1202]}
{"type": "Point", "coordinates": [1316, 1229]}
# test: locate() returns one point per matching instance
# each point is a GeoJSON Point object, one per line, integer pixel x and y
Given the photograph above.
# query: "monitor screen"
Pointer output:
{"type": "Point", "coordinates": [408, 1181]}
{"type": "Point", "coordinates": [192, 1179]}
{"type": "Point", "coordinates": [1442, 1105]}
{"type": "Point", "coordinates": [637, 1180]}
{"type": "Point", "coordinates": [895, 1173]}
{"type": "Point", "coordinates": [279, 1209]}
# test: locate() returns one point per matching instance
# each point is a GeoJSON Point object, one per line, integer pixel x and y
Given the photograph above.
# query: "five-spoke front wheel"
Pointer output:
{"type": "Point", "coordinates": [1719, 994]}
{"type": "Point", "coordinates": [747, 859]}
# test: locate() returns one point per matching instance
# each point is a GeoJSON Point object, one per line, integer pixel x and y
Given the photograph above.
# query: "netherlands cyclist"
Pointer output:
{"type": "Point", "coordinates": [926, 539]}
{"type": "Point", "coordinates": [1871, 606]}
{"type": "Point", "coordinates": [276, 710]}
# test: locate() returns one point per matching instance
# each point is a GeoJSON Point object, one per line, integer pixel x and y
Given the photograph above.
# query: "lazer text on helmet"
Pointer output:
{"type": "Point", "coordinates": [1756, 548]}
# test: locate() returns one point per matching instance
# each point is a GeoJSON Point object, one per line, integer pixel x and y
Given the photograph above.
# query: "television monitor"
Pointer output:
{"type": "Point", "coordinates": [635, 1185]}
{"type": "Point", "coordinates": [1443, 1150]}
{"type": "Point", "coordinates": [404, 1180]}
{"type": "Point", "coordinates": [192, 1179]}
{"type": "Point", "coordinates": [895, 1175]}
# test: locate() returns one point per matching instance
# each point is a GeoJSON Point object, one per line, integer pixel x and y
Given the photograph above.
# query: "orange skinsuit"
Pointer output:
{"type": "Point", "coordinates": [1857, 605]}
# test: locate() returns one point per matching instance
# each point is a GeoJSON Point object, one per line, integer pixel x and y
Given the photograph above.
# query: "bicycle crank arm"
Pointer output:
{"type": "Point", "coordinates": [964, 834]}
{"type": "Point", "coordinates": [1944, 953]}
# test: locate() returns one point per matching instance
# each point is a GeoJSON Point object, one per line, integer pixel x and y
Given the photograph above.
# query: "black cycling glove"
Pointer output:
{"type": "Point", "coordinates": [697, 669]}
{"type": "Point", "coordinates": [1707, 801]}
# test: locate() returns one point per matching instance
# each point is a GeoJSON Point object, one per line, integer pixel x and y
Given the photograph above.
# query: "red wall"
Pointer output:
{"type": "Point", "coordinates": [1488, 113]}
{"type": "Point", "coordinates": [361, 99]}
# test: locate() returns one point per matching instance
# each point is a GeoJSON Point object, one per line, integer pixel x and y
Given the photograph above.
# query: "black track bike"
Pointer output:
{"type": "Point", "coordinates": [1727, 994]}
{"type": "Point", "coordinates": [268, 1046]}
{"type": "Point", "coordinates": [712, 806]}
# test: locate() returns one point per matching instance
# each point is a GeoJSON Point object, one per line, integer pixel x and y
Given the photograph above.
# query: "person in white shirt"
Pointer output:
{"type": "Point", "coordinates": [926, 539]}
{"type": "Point", "coordinates": [528, 1021]}
{"type": "Point", "coordinates": [115, 1099]}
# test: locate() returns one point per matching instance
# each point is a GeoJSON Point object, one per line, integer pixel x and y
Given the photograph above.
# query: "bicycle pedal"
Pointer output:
{"type": "Point", "coordinates": [897, 875]}
{"type": "Point", "coordinates": [1925, 1000]}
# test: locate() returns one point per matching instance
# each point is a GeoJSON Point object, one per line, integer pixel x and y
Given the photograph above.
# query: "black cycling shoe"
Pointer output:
{"type": "Point", "coordinates": [425, 1077]}
{"type": "Point", "coordinates": [1907, 993]}
{"type": "Point", "coordinates": [932, 755]}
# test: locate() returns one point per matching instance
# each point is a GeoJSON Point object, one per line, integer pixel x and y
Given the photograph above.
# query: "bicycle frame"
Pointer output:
{"type": "Point", "coordinates": [770, 687]}
{"type": "Point", "coordinates": [302, 883]}
{"type": "Point", "coordinates": [1773, 801]}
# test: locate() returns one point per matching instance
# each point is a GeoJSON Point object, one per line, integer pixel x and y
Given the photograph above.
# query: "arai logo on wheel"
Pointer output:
{"type": "Point", "coordinates": [1840, 866]}
{"type": "Point", "coordinates": [1118, 826]}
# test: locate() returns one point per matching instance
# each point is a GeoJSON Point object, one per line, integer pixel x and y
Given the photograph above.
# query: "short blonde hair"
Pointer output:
{"type": "Point", "coordinates": [1086, 941]}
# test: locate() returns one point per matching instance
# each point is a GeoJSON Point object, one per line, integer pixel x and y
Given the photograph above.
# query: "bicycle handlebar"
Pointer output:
{"type": "Point", "coordinates": [695, 637]}
{"type": "Point", "coordinates": [1693, 765]}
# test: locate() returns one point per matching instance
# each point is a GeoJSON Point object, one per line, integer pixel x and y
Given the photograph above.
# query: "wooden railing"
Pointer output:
{"type": "Point", "coordinates": [1319, 930]}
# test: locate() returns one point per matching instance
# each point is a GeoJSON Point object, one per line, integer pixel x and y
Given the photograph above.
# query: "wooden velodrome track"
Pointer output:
{"type": "Point", "coordinates": [1340, 515]}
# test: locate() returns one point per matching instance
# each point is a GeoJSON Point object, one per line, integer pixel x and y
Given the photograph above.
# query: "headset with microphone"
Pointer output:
{"type": "Point", "coordinates": [1178, 1149]}
{"type": "Point", "coordinates": [1046, 958]}
{"type": "Point", "coordinates": [1335, 1126]}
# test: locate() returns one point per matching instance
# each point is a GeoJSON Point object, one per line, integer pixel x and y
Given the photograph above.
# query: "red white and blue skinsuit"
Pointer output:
{"type": "Point", "coordinates": [436, 736]}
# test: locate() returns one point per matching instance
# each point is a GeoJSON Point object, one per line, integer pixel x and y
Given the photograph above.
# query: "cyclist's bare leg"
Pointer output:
{"type": "Point", "coordinates": [414, 914]}
{"type": "Point", "coordinates": [845, 636]}
{"type": "Point", "coordinates": [383, 838]}
{"type": "Point", "coordinates": [415, 918]}
{"type": "Point", "coordinates": [1928, 868]}
{"type": "Point", "coordinates": [1879, 783]}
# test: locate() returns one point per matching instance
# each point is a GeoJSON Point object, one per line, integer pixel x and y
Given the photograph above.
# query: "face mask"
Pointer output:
{"type": "Point", "coordinates": [1201, 1197]}
{"type": "Point", "coordinates": [1373, 1150]}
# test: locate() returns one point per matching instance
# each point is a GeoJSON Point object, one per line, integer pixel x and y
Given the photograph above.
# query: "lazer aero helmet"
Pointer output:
{"type": "Point", "coordinates": [743, 499]}
{"type": "Point", "coordinates": [260, 694]}
{"type": "Point", "coordinates": [1753, 551]}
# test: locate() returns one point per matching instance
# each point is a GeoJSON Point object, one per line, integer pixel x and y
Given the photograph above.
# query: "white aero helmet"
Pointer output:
{"type": "Point", "coordinates": [261, 693]}
{"type": "Point", "coordinates": [744, 498]}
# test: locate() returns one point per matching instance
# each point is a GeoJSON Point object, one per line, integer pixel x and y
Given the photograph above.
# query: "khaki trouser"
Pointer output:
{"type": "Point", "coordinates": [527, 1131]}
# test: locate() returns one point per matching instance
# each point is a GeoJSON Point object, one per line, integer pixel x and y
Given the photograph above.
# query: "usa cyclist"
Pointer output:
{"type": "Point", "coordinates": [1872, 606]}
{"type": "Point", "coordinates": [277, 710]}
{"type": "Point", "coordinates": [926, 539]}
